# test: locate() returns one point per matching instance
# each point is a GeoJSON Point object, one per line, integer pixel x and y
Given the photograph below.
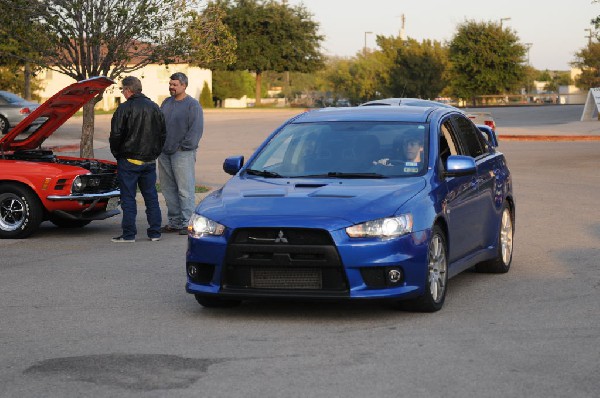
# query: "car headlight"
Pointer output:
{"type": "Point", "coordinates": [78, 184]}
{"type": "Point", "coordinates": [382, 228]}
{"type": "Point", "coordinates": [199, 226]}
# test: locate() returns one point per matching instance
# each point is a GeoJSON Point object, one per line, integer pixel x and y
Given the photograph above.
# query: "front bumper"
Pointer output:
{"type": "Point", "coordinates": [88, 207]}
{"type": "Point", "coordinates": [86, 196]}
{"type": "Point", "coordinates": [363, 266]}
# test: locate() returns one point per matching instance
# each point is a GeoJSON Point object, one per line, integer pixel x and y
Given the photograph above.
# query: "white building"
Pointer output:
{"type": "Point", "coordinates": [154, 78]}
{"type": "Point", "coordinates": [571, 94]}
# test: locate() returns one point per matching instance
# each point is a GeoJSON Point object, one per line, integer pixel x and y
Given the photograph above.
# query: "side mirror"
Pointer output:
{"type": "Point", "coordinates": [489, 135]}
{"type": "Point", "coordinates": [233, 164]}
{"type": "Point", "coordinates": [459, 165]}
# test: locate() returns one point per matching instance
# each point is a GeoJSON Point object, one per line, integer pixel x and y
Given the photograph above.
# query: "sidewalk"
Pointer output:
{"type": "Point", "coordinates": [572, 131]}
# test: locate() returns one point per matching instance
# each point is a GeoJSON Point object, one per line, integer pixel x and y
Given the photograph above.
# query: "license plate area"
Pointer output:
{"type": "Point", "coordinates": [113, 204]}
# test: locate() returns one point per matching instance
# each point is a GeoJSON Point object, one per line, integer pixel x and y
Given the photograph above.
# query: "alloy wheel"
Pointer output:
{"type": "Point", "coordinates": [437, 268]}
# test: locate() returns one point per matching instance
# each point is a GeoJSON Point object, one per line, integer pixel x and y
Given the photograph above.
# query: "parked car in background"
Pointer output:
{"type": "Point", "coordinates": [37, 185]}
{"type": "Point", "coordinates": [484, 118]}
{"type": "Point", "coordinates": [13, 109]}
{"type": "Point", "coordinates": [370, 202]}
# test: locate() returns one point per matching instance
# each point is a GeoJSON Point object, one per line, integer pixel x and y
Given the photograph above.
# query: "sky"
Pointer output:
{"type": "Point", "coordinates": [555, 29]}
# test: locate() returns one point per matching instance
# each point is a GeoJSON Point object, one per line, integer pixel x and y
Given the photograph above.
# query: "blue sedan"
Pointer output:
{"type": "Point", "coordinates": [372, 202]}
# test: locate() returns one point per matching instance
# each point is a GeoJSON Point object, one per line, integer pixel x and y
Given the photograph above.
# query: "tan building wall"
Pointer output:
{"type": "Point", "coordinates": [155, 83]}
{"type": "Point", "coordinates": [571, 94]}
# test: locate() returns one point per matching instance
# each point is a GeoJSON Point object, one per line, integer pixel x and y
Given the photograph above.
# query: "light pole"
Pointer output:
{"type": "Point", "coordinates": [503, 19]}
{"type": "Point", "coordinates": [589, 36]}
{"type": "Point", "coordinates": [528, 45]}
{"type": "Point", "coordinates": [365, 47]}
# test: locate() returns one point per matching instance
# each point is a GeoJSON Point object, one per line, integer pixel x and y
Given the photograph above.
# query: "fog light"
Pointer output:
{"type": "Point", "coordinates": [394, 275]}
{"type": "Point", "coordinates": [192, 271]}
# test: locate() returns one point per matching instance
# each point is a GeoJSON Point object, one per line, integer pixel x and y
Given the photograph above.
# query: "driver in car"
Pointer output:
{"type": "Point", "coordinates": [407, 150]}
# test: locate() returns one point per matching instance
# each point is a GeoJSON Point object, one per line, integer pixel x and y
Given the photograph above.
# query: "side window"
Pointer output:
{"type": "Point", "coordinates": [471, 141]}
{"type": "Point", "coordinates": [447, 142]}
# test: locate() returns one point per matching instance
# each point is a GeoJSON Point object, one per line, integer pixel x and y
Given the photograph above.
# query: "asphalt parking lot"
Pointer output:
{"type": "Point", "coordinates": [82, 317]}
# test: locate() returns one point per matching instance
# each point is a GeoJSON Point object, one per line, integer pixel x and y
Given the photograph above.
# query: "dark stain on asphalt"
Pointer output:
{"type": "Point", "coordinates": [145, 372]}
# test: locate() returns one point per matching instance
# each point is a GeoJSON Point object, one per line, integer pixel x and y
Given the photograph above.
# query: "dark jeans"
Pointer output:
{"type": "Point", "coordinates": [143, 176]}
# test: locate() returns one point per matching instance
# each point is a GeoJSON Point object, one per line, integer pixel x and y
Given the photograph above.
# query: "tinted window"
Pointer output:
{"type": "Point", "coordinates": [388, 149]}
{"type": "Point", "coordinates": [470, 138]}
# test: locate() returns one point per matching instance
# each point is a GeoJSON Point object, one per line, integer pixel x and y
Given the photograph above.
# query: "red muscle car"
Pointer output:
{"type": "Point", "coordinates": [37, 185]}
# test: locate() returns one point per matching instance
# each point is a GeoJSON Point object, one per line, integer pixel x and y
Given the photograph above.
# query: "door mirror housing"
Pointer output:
{"type": "Point", "coordinates": [233, 164]}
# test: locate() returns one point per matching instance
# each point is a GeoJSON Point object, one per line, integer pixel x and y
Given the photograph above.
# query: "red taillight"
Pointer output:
{"type": "Point", "coordinates": [491, 124]}
{"type": "Point", "coordinates": [24, 111]}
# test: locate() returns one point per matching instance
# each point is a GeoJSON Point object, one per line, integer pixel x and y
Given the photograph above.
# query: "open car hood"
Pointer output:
{"type": "Point", "coordinates": [30, 134]}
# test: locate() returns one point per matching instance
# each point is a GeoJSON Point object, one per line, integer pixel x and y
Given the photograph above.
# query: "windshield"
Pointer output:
{"type": "Point", "coordinates": [11, 98]}
{"type": "Point", "coordinates": [344, 150]}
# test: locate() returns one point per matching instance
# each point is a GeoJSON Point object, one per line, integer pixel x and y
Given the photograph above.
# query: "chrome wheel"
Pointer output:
{"type": "Point", "coordinates": [506, 237]}
{"type": "Point", "coordinates": [12, 212]}
{"type": "Point", "coordinates": [20, 211]}
{"type": "Point", "coordinates": [436, 279]}
{"type": "Point", "coordinates": [504, 245]}
{"type": "Point", "coordinates": [437, 268]}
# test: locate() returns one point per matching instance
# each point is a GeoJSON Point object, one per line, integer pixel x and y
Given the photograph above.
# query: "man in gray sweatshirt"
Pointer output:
{"type": "Point", "coordinates": [176, 163]}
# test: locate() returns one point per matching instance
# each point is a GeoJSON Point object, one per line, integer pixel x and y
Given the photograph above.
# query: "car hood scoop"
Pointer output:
{"type": "Point", "coordinates": [261, 202]}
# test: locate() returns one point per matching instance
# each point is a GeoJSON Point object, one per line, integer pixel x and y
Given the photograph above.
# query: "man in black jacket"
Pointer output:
{"type": "Point", "coordinates": [137, 136]}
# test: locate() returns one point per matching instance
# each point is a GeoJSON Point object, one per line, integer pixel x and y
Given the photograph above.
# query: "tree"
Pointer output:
{"type": "Point", "coordinates": [232, 84]}
{"type": "Point", "coordinates": [418, 69]}
{"type": "Point", "coordinates": [485, 59]}
{"type": "Point", "coordinates": [588, 60]}
{"type": "Point", "coordinates": [359, 79]}
{"type": "Point", "coordinates": [554, 79]}
{"type": "Point", "coordinates": [109, 38]}
{"type": "Point", "coordinates": [206, 97]}
{"type": "Point", "coordinates": [210, 43]}
{"type": "Point", "coordinates": [272, 36]}
{"type": "Point", "coordinates": [20, 34]}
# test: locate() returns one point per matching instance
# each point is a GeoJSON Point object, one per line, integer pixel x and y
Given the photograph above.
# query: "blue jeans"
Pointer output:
{"type": "Point", "coordinates": [177, 175]}
{"type": "Point", "coordinates": [143, 176]}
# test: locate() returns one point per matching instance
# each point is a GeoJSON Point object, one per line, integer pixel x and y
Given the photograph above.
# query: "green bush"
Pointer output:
{"type": "Point", "coordinates": [206, 97]}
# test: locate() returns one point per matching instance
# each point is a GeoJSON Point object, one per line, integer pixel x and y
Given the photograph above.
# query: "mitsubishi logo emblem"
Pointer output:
{"type": "Point", "coordinates": [280, 238]}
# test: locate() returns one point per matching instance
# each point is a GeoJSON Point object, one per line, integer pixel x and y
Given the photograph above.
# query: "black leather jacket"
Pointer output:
{"type": "Point", "coordinates": [137, 129]}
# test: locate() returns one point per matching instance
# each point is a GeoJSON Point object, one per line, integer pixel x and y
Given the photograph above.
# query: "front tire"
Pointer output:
{"type": "Point", "coordinates": [216, 302]}
{"type": "Point", "coordinates": [20, 212]}
{"type": "Point", "coordinates": [437, 276]}
{"type": "Point", "coordinates": [501, 263]}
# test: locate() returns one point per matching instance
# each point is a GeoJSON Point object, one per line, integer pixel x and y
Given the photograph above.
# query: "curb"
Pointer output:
{"type": "Point", "coordinates": [556, 138]}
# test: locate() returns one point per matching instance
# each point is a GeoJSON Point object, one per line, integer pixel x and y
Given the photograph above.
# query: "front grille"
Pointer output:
{"type": "Point", "coordinates": [99, 183]}
{"type": "Point", "coordinates": [286, 259]}
{"type": "Point", "coordinates": [286, 278]}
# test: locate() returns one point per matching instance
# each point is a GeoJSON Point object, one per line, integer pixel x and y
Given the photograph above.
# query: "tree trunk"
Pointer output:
{"type": "Point", "coordinates": [257, 93]}
{"type": "Point", "coordinates": [27, 80]}
{"type": "Point", "coordinates": [86, 146]}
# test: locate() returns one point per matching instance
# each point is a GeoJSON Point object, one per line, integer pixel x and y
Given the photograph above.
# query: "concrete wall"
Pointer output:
{"type": "Point", "coordinates": [155, 83]}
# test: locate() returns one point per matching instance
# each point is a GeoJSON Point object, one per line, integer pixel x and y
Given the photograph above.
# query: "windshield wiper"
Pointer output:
{"type": "Point", "coordinates": [337, 174]}
{"type": "Point", "coordinates": [263, 173]}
